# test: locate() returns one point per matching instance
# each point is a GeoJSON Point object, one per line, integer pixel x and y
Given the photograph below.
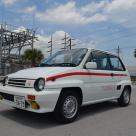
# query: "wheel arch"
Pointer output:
{"type": "Point", "coordinates": [129, 87]}
{"type": "Point", "coordinates": [76, 90]}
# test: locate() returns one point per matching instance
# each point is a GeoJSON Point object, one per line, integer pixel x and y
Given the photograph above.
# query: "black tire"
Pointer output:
{"type": "Point", "coordinates": [60, 112]}
{"type": "Point", "coordinates": [125, 97]}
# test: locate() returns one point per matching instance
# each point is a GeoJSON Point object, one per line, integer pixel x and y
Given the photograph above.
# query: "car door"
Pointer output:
{"type": "Point", "coordinates": [118, 73]}
{"type": "Point", "coordinates": [100, 84]}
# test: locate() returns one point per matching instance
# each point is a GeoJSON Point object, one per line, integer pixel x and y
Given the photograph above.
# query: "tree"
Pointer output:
{"type": "Point", "coordinates": [135, 53]}
{"type": "Point", "coordinates": [34, 56]}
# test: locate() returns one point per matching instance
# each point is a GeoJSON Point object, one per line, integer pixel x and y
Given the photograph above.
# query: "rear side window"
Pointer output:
{"type": "Point", "coordinates": [116, 63]}
{"type": "Point", "coordinates": [101, 60]}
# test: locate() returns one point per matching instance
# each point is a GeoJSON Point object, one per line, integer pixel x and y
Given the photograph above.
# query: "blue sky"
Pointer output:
{"type": "Point", "coordinates": [101, 24]}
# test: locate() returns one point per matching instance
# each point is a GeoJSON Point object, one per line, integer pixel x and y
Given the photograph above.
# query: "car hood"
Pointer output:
{"type": "Point", "coordinates": [34, 73]}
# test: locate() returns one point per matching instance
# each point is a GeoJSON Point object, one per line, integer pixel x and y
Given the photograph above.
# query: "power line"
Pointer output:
{"type": "Point", "coordinates": [122, 48]}
{"type": "Point", "coordinates": [118, 50]}
{"type": "Point", "coordinates": [111, 34]}
{"type": "Point", "coordinates": [120, 37]}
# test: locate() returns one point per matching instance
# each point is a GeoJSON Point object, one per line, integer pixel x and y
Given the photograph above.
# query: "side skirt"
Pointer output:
{"type": "Point", "coordinates": [99, 101]}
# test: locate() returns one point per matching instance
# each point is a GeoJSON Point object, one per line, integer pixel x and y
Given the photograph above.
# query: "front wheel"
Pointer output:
{"type": "Point", "coordinates": [67, 108]}
{"type": "Point", "coordinates": [124, 99]}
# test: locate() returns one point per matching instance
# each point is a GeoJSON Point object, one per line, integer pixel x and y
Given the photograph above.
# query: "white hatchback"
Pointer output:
{"type": "Point", "coordinates": [66, 81]}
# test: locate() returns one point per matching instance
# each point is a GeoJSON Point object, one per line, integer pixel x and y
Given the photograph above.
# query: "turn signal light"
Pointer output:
{"type": "Point", "coordinates": [31, 97]}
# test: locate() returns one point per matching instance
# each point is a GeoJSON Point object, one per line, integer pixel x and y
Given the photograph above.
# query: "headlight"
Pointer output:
{"type": "Point", "coordinates": [39, 84]}
{"type": "Point", "coordinates": [29, 83]}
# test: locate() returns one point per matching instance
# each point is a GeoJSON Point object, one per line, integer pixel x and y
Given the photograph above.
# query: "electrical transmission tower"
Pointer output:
{"type": "Point", "coordinates": [65, 39]}
{"type": "Point", "coordinates": [68, 42]}
{"type": "Point", "coordinates": [12, 39]}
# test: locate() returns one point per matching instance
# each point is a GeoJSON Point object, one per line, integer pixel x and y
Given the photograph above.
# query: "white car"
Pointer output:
{"type": "Point", "coordinates": [66, 81]}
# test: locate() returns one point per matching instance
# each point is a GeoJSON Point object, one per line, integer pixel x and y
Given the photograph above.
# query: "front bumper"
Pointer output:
{"type": "Point", "coordinates": [46, 99]}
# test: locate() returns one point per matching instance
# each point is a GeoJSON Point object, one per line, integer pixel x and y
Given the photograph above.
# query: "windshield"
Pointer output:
{"type": "Point", "coordinates": [65, 58]}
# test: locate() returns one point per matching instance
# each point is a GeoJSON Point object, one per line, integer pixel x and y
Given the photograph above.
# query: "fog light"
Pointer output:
{"type": "Point", "coordinates": [34, 105]}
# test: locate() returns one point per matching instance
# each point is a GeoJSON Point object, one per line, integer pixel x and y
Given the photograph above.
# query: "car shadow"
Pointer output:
{"type": "Point", "coordinates": [42, 121]}
{"type": "Point", "coordinates": [92, 110]}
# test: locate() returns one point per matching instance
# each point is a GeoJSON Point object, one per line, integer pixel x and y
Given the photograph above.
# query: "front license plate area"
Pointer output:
{"type": "Point", "coordinates": [19, 101]}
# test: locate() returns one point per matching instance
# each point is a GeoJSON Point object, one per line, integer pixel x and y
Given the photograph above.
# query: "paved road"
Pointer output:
{"type": "Point", "coordinates": [106, 119]}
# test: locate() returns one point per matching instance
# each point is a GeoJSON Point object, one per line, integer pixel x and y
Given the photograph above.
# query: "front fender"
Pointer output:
{"type": "Point", "coordinates": [65, 83]}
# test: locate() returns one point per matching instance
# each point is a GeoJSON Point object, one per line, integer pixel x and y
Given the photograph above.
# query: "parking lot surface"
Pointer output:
{"type": "Point", "coordinates": [104, 119]}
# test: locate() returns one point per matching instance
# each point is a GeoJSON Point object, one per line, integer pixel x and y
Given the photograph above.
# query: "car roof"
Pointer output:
{"type": "Point", "coordinates": [93, 49]}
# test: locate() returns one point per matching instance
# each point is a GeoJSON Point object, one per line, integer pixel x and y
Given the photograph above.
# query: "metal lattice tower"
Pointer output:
{"type": "Point", "coordinates": [13, 39]}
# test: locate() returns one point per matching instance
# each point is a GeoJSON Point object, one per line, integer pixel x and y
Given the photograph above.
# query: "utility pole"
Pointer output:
{"type": "Point", "coordinates": [70, 43]}
{"type": "Point", "coordinates": [118, 51]}
{"type": "Point", "coordinates": [65, 41]}
{"type": "Point", "coordinates": [50, 46]}
{"type": "Point", "coordinates": [1, 44]}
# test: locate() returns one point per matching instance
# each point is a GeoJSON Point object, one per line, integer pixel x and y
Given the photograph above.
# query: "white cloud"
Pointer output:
{"type": "Point", "coordinates": [93, 7]}
{"type": "Point", "coordinates": [121, 5]}
{"type": "Point", "coordinates": [69, 14]}
{"type": "Point", "coordinates": [42, 43]}
{"type": "Point", "coordinates": [28, 10]}
{"type": "Point", "coordinates": [122, 11]}
{"type": "Point", "coordinates": [8, 2]}
{"type": "Point", "coordinates": [119, 11]}
{"type": "Point", "coordinates": [20, 29]}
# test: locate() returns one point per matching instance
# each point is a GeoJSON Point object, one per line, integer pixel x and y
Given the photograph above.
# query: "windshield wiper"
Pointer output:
{"type": "Point", "coordinates": [65, 64]}
{"type": "Point", "coordinates": [45, 64]}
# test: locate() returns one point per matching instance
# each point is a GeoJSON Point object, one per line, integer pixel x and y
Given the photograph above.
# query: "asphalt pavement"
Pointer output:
{"type": "Point", "coordinates": [104, 119]}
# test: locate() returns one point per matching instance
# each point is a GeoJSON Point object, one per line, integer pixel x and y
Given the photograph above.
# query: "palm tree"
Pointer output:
{"type": "Point", "coordinates": [34, 56]}
{"type": "Point", "coordinates": [135, 53]}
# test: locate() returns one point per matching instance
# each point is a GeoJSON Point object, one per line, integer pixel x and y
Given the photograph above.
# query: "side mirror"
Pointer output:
{"type": "Point", "coordinates": [91, 65]}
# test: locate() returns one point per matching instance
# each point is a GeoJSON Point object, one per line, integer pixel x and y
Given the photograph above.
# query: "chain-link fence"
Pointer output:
{"type": "Point", "coordinates": [12, 67]}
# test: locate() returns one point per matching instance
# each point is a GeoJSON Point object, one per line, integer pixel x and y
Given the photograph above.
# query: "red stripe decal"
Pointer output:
{"type": "Point", "coordinates": [52, 78]}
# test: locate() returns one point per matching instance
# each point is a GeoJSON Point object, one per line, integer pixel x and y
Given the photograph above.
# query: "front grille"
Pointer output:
{"type": "Point", "coordinates": [6, 96]}
{"type": "Point", "coordinates": [16, 82]}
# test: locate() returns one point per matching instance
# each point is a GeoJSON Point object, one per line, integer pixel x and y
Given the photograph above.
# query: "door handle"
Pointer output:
{"type": "Point", "coordinates": [112, 74]}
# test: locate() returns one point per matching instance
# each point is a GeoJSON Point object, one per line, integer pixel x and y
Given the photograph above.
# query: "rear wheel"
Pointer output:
{"type": "Point", "coordinates": [67, 108]}
{"type": "Point", "coordinates": [124, 99]}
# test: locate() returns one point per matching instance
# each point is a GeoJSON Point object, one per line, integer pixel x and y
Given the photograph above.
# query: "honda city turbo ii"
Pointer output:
{"type": "Point", "coordinates": [66, 81]}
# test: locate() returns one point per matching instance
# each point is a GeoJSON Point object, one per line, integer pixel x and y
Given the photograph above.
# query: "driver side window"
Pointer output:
{"type": "Point", "coordinates": [101, 59]}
